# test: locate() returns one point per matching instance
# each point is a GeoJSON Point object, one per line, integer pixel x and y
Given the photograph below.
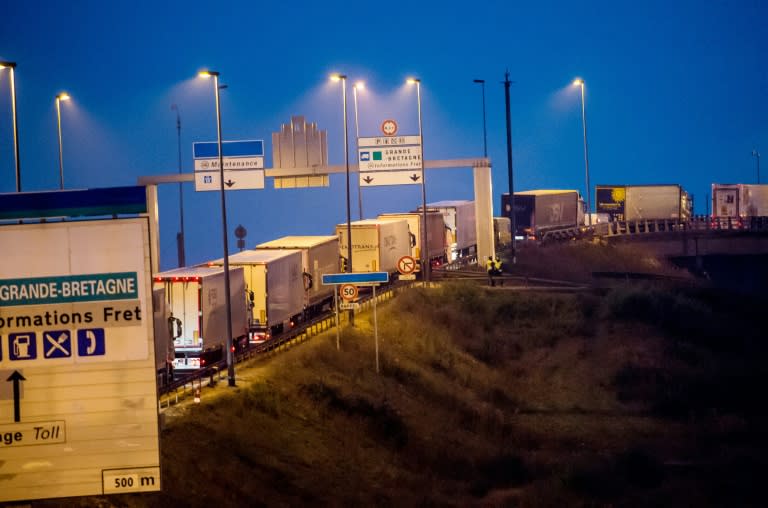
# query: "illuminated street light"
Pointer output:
{"type": "Point", "coordinates": [227, 297]}
{"type": "Point", "coordinates": [343, 79]}
{"type": "Point", "coordinates": [11, 66]}
{"type": "Point", "coordinates": [360, 85]}
{"type": "Point", "coordinates": [580, 83]}
{"type": "Point", "coordinates": [63, 96]}
{"type": "Point", "coordinates": [756, 155]}
{"type": "Point", "coordinates": [425, 263]}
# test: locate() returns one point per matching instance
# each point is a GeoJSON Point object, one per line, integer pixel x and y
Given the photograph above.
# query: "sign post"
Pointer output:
{"type": "Point", "coordinates": [348, 283]}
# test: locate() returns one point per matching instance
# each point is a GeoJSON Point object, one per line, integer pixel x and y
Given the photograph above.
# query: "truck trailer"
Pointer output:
{"type": "Point", "coordinates": [643, 202]}
{"type": "Point", "coordinates": [274, 289]}
{"type": "Point", "coordinates": [319, 255]}
{"type": "Point", "coordinates": [197, 312]}
{"type": "Point", "coordinates": [543, 213]}
{"type": "Point", "coordinates": [377, 244]}
{"type": "Point", "coordinates": [739, 203]}
{"type": "Point", "coordinates": [436, 251]}
{"type": "Point", "coordinates": [460, 227]}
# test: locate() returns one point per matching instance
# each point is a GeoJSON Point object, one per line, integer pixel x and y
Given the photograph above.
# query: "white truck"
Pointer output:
{"type": "Point", "coordinates": [165, 352]}
{"type": "Point", "coordinates": [377, 244]}
{"type": "Point", "coordinates": [643, 202]}
{"type": "Point", "coordinates": [436, 246]}
{"type": "Point", "coordinates": [738, 203]}
{"type": "Point", "coordinates": [461, 227]}
{"type": "Point", "coordinates": [274, 289]}
{"type": "Point", "coordinates": [196, 302]}
{"type": "Point", "coordinates": [319, 255]}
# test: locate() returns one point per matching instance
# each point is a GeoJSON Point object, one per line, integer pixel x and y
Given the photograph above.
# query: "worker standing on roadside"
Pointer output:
{"type": "Point", "coordinates": [490, 267]}
{"type": "Point", "coordinates": [497, 269]}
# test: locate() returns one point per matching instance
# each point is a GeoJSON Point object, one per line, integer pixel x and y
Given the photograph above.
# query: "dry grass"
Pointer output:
{"type": "Point", "coordinates": [485, 398]}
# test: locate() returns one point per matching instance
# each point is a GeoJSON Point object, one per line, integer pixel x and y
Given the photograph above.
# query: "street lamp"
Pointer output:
{"type": "Point", "coordinates": [343, 79]}
{"type": "Point", "coordinates": [360, 85]}
{"type": "Point", "coordinates": [424, 248]}
{"type": "Point", "coordinates": [11, 66]}
{"type": "Point", "coordinates": [485, 138]}
{"type": "Point", "coordinates": [227, 297]}
{"type": "Point", "coordinates": [580, 83]}
{"type": "Point", "coordinates": [63, 96]}
{"type": "Point", "coordinates": [180, 236]}
{"type": "Point", "coordinates": [756, 155]}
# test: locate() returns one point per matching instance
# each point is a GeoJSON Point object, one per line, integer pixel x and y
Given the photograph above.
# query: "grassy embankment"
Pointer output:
{"type": "Point", "coordinates": [642, 396]}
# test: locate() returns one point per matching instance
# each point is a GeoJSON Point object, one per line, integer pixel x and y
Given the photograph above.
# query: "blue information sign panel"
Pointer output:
{"type": "Point", "coordinates": [243, 148]}
{"type": "Point", "coordinates": [360, 278]}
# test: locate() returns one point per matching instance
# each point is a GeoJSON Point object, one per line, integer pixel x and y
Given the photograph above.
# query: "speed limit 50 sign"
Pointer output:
{"type": "Point", "coordinates": [348, 292]}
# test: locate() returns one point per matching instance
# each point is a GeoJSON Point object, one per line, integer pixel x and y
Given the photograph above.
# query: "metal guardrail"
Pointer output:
{"type": "Point", "coordinates": [173, 392]}
{"type": "Point", "coordinates": [695, 223]}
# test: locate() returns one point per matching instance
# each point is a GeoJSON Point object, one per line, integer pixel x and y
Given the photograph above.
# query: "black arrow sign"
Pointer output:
{"type": "Point", "coordinates": [414, 177]}
{"type": "Point", "coordinates": [367, 179]}
{"type": "Point", "coordinates": [229, 183]}
{"type": "Point", "coordinates": [16, 377]}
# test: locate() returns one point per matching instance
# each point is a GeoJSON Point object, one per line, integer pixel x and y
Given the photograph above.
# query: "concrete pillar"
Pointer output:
{"type": "Point", "coordinates": [483, 213]}
{"type": "Point", "coordinates": [154, 228]}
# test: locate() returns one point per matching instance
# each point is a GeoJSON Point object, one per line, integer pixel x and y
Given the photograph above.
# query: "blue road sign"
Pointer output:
{"type": "Point", "coordinates": [22, 346]}
{"type": "Point", "coordinates": [57, 344]}
{"type": "Point", "coordinates": [90, 342]}
{"type": "Point", "coordinates": [330, 279]}
{"type": "Point", "coordinates": [244, 148]}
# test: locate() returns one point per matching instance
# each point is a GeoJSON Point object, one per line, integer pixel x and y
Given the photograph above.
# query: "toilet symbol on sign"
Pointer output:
{"type": "Point", "coordinates": [22, 346]}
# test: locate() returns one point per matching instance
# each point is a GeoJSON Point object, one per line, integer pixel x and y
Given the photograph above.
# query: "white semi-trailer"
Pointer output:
{"type": "Point", "coordinates": [459, 219]}
{"type": "Point", "coordinates": [319, 255]}
{"type": "Point", "coordinates": [436, 238]}
{"type": "Point", "coordinates": [274, 289]}
{"type": "Point", "coordinates": [377, 244]}
{"type": "Point", "coordinates": [739, 202]}
{"type": "Point", "coordinates": [196, 304]}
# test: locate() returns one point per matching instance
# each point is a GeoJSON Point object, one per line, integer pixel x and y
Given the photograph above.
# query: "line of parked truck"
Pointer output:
{"type": "Point", "coordinates": [277, 285]}
{"type": "Point", "coordinates": [548, 214]}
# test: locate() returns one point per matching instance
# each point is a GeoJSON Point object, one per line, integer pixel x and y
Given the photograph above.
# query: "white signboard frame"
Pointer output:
{"type": "Point", "coordinates": [77, 346]}
{"type": "Point", "coordinates": [233, 180]}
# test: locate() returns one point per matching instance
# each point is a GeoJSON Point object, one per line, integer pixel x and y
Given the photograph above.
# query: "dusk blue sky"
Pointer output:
{"type": "Point", "coordinates": [676, 93]}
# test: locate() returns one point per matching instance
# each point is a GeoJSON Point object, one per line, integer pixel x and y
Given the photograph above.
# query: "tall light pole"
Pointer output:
{"type": "Point", "coordinates": [343, 79]}
{"type": "Point", "coordinates": [180, 236]}
{"type": "Point", "coordinates": [227, 297]}
{"type": "Point", "coordinates": [580, 83]}
{"type": "Point", "coordinates": [485, 137]}
{"type": "Point", "coordinates": [510, 173]}
{"type": "Point", "coordinates": [756, 155]}
{"type": "Point", "coordinates": [63, 96]}
{"type": "Point", "coordinates": [11, 66]}
{"type": "Point", "coordinates": [358, 86]}
{"type": "Point", "coordinates": [425, 263]}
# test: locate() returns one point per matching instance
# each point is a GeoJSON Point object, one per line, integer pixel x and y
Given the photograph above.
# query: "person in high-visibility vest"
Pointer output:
{"type": "Point", "coordinates": [490, 267]}
{"type": "Point", "coordinates": [497, 269]}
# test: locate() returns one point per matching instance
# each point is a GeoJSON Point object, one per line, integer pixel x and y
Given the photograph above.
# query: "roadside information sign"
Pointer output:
{"type": "Point", "coordinates": [389, 160]}
{"type": "Point", "coordinates": [243, 162]}
{"type": "Point", "coordinates": [78, 394]}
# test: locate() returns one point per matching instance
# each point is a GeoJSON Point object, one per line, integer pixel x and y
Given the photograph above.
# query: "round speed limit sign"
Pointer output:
{"type": "Point", "coordinates": [348, 292]}
{"type": "Point", "coordinates": [389, 127]}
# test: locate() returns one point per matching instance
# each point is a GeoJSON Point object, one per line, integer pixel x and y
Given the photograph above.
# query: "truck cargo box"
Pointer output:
{"type": "Point", "coordinates": [643, 202]}
{"type": "Point", "coordinates": [274, 287]}
{"type": "Point", "coordinates": [538, 212]}
{"type": "Point", "coordinates": [164, 347]}
{"type": "Point", "coordinates": [459, 219]}
{"type": "Point", "coordinates": [377, 244]}
{"type": "Point", "coordinates": [435, 231]}
{"type": "Point", "coordinates": [195, 297]}
{"type": "Point", "coordinates": [502, 232]}
{"type": "Point", "coordinates": [739, 201]}
{"type": "Point", "coordinates": [319, 255]}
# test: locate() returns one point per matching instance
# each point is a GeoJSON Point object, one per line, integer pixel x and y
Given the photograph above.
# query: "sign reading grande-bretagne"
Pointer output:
{"type": "Point", "coordinates": [78, 395]}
